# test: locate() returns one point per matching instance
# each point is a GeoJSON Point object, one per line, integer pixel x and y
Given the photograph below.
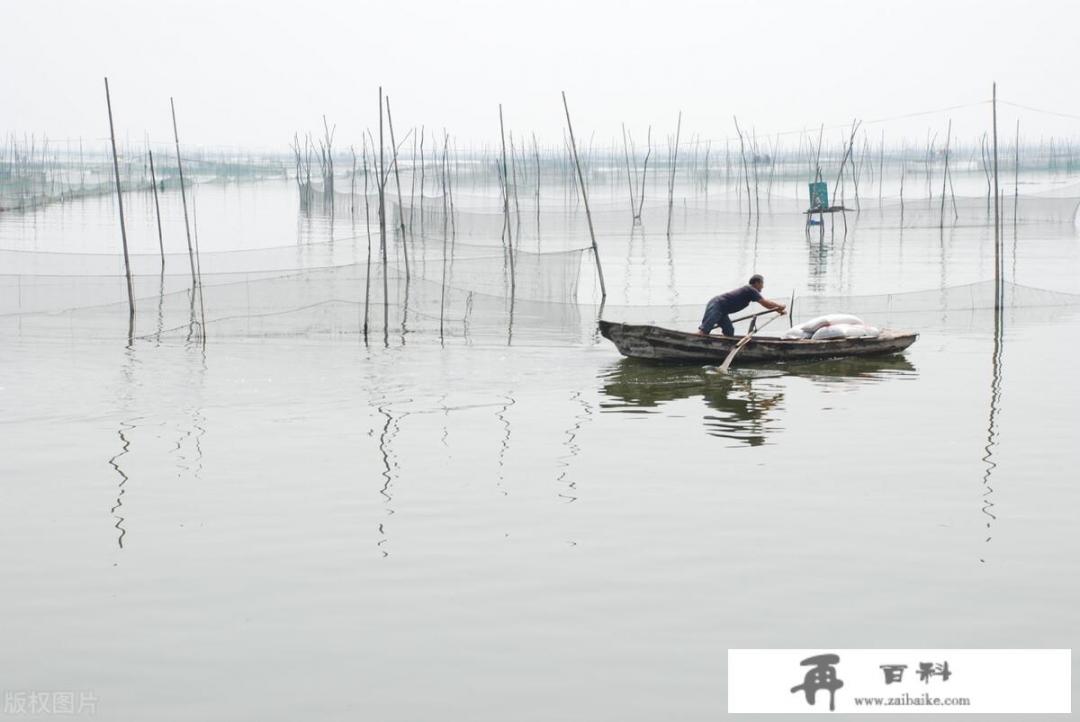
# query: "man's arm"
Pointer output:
{"type": "Point", "coordinates": [773, 306]}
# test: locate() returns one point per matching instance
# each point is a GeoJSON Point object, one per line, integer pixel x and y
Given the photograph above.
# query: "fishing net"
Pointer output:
{"type": "Point", "coordinates": [36, 176]}
{"type": "Point", "coordinates": [980, 211]}
{"type": "Point", "coordinates": [470, 287]}
{"type": "Point", "coordinates": [459, 266]}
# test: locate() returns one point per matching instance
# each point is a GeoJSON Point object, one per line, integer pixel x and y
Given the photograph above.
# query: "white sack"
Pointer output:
{"type": "Point", "coordinates": [810, 327]}
{"type": "Point", "coordinates": [846, 330]}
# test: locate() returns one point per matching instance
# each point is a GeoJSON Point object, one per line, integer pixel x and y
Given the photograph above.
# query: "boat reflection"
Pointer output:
{"type": "Point", "coordinates": [852, 370]}
{"type": "Point", "coordinates": [746, 406]}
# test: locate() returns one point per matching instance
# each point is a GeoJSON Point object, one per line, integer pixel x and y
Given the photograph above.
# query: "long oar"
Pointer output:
{"type": "Point", "coordinates": [742, 342]}
{"type": "Point", "coordinates": [752, 315]}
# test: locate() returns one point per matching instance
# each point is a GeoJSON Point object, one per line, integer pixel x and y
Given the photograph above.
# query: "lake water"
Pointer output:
{"type": "Point", "coordinates": [510, 521]}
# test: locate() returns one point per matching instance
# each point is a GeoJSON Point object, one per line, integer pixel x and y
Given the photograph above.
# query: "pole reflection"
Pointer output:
{"type": "Point", "coordinates": [992, 432]}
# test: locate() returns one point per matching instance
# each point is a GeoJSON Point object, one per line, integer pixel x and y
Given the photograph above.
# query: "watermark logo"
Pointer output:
{"type": "Point", "coordinates": [822, 676]}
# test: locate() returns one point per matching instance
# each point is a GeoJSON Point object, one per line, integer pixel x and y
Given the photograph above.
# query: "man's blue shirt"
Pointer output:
{"type": "Point", "coordinates": [738, 299]}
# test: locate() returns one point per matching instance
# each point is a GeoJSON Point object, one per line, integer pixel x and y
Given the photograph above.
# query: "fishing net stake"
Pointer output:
{"type": "Point", "coordinates": [585, 199]}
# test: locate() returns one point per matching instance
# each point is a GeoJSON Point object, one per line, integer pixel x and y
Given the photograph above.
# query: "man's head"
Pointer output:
{"type": "Point", "coordinates": [757, 281]}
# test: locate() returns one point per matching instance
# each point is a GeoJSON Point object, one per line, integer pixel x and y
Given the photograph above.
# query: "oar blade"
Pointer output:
{"type": "Point", "coordinates": [727, 361]}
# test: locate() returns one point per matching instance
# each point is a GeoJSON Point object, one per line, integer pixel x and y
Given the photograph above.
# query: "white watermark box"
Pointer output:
{"type": "Point", "coordinates": [906, 681]}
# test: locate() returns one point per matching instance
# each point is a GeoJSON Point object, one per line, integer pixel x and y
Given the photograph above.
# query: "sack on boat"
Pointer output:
{"type": "Point", "coordinates": [807, 329]}
{"type": "Point", "coordinates": [832, 319]}
{"type": "Point", "coordinates": [846, 330]}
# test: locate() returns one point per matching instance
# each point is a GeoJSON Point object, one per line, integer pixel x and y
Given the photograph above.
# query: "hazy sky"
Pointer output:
{"type": "Point", "coordinates": [250, 73]}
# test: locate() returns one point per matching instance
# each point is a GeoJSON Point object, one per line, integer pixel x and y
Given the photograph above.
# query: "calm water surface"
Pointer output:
{"type": "Point", "coordinates": [310, 528]}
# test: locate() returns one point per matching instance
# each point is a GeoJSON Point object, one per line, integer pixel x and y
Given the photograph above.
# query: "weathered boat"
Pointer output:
{"type": "Point", "coordinates": [662, 344]}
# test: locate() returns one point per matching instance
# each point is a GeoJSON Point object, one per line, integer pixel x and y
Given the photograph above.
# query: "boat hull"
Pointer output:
{"type": "Point", "coordinates": [661, 344]}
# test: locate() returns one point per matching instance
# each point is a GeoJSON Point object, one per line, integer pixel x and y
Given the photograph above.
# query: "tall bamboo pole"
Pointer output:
{"type": "Point", "coordinates": [945, 175]}
{"type": "Point", "coordinates": [423, 167]}
{"type": "Point", "coordinates": [120, 204]}
{"type": "Point", "coordinates": [380, 179]}
{"type": "Point", "coordinates": [644, 171]}
{"type": "Point", "coordinates": [903, 171]}
{"type": "Point", "coordinates": [671, 179]}
{"type": "Point", "coordinates": [585, 199]}
{"type": "Point", "coordinates": [397, 181]}
{"type": "Point", "coordinates": [746, 172]}
{"type": "Point", "coordinates": [847, 153]}
{"type": "Point", "coordinates": [157, 208]}
{"type": "Point", "coordinates": [536, 151]}
{"type": "Point", "coordinates": [997, 214]}
{"type": "Point", "coordinates": [412, 187]}
{"type": "Point", "coordinates": [506, 208]}
{"type": "Point", "coordinates": [450, 170]}
{"type": "Point", "coordinates": [367, 222]}
{"type": "Point", "coordinates": [183, 196]}
{"type": "Point", "coordinates": [629, 179]}
{"type": "Point", "coordinates": [198, 267]}
{"type": "Point", "coordinates": [445, 234]}
{"type": "Point", "coordinates": [514, 183]}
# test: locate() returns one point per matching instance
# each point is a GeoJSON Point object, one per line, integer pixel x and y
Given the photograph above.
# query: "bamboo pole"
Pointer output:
{"type": "Point", "coordinates": [198, 269]}
{"type": "Point", "coordinates": [423, 169]}
{"type": "Point", "coordinates": [397, 181]}
{"type": "Point", "coordinates": [412, 187]}
{"type": "Point", "coordinates": [671, 179]}
{"type": "Point", "coordinates": [945, 175]}
{"type": "Point", "coordinates": [952, 194]}
{"type": "Point", "coordinates": [629, 179]}
{"type": "Point", "coordinates": [380, 178]}
{"type": "Point", "coordinates": [644, 172]}
{"type": "Point", "coordinates": [757, 185]}
{"type": "Point", "coordinates": [536, 152]}
{"type": "Point", "coordinates": [183, 197]}
{"type": "Point", "coordinates": [506, 208]}
{"type": "Point", "coordinates": [746, 172]}
{"type": "Point", "coordinates": [855, 175]}
{"type": "Point", "coordinates": [450, 192]}
{"type": "Point", "coordinates": [997, 213]}
{"type": "Point", "coordinates": [157, 208]}
{"type": "Point", "coordinates": [120, 205]}
{"type": "Point", "coordinates": [328, 172]}
{"type": "Point", "coordinates": [517, 205]}
{"type": "Point", "coordinates": [843, 161]}
{"type": "Point", "coordinates": [442, 290]}
{"type": "Point", "coordinates": [367, 222]}
{"type": "Point", "coordinates": [514, 183]}
{"type": "Point", "coordinates": [585, 199]}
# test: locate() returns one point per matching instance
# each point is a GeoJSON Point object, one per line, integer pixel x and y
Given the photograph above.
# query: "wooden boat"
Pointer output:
{"type": "Point", "coordinates": [661, 344]}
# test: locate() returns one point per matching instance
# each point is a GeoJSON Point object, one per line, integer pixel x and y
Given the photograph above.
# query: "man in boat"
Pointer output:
{"type": "Point", "coordinates": [719, 309]}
